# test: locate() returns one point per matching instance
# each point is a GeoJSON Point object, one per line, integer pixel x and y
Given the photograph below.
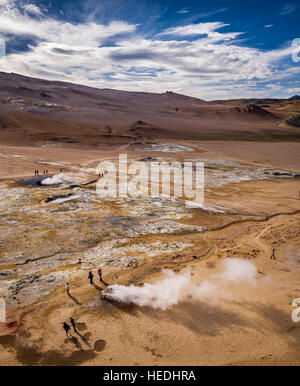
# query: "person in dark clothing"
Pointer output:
{"type": "Point", "coordinates": [67, 328]}
{"type": "Point", "coordinates": [100, 274]}
{"type": "Point", "coordinates": [91, 277]}
{"type": "Point", "coordinates": [73, 324]}
{"type": "Point", "coordinates": [273, 255]}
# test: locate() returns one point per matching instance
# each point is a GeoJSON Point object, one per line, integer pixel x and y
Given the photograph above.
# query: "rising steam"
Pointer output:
{"type": "Point", "coordinates": [62, 178]}
{"type": "Point", "coordinates": [238, 270]}
{"type": "Point", "coordinates": [176, 288]}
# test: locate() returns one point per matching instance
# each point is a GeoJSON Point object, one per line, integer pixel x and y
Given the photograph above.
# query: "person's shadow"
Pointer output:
{"type": "Point", "coordinates": [83, 338]}
{"type": "Point", "coordinates": [74, 299]}
{"type": "Point", "coordinates": [97, 288]}
{"type": "Point", "coordinates": [75, 341]}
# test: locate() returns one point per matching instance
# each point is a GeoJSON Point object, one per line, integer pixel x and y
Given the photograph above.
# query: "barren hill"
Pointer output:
{"type": "Point", "coordinates": [34, 111]}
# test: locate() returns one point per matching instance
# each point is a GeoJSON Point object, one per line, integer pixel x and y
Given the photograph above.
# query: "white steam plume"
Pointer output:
{"type": "Point", "coordinates": [62, 178]}
{"type": "Point", "coordinates": [238, 270]}
{"type": "Point", "coordinates": [163, 294]}
{"type": "Point", "coordinates": [176, 288]}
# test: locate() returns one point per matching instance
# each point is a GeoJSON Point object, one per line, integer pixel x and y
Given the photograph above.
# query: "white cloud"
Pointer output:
{"type": "Point", "coordinates": [5, 2]}
{"type": "Point", "coordinates": [183, 11]}
{"type": "Point", "coordinates": [211, 65]}
{"type": "Point", "coordinates": [287, 9]}
{"type": "Point", "coordinates": [208, 29]}
{"type": "Point", "coordinates": [293, 90]}
{"type": "Point", "coordinates": [269, 25]}
{"type": "Point", "coordinates": [56, 31]}
{"type": "Point", "coordinates": [211, 13]}
{"type": "Point", "coordinates": [33, 9]}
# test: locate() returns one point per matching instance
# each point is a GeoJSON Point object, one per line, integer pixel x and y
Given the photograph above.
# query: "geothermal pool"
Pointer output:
{"type": "Point", "coordinates": [50, 227]}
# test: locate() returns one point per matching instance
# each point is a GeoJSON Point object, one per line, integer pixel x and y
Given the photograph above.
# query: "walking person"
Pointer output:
{"type": "Point", "coordinates": [68, 288]}
{"type": "Point", "coordinates": [100, 274]}
{"type": "Point", "coordinates": [91, 277]}
{"type": "Point", "coordinates": [67, 328]}
{"type": "Point", "coordinates": [273, 255]}
{"type": "Point", "coordinates": [73, 324]}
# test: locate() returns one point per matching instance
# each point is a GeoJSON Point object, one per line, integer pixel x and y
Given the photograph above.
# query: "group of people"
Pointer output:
{"type": "Point", "coordinates": [37, 173]}
{"type": "Point", "coordinates": [91, 276]}
{"type": "Point", "coordinates": [67, 327]}
{"type": "Point", "coordinates": [91, 279]}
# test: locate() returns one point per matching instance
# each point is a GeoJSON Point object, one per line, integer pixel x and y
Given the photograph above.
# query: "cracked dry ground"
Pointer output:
{"type": "Point", "coordinates": [46, 243]}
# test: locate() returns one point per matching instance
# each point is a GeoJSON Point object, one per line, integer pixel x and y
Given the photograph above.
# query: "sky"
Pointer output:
{"type": "Point", "coordinates": [206, 49]}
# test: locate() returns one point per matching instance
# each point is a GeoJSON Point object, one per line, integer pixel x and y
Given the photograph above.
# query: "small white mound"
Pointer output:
{"type": "Point", "coordinates": [207, 207]}
{"type": "Point", "coordinates": [170, 148]}
{"type": "Point", "coordinates": [63, 178]}
{"type": "Point", "coordinates": [167, 148]}
{"type": "Point", "coordinates": [61, 200]}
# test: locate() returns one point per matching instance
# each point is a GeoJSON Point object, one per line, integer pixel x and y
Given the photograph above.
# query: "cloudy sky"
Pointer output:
{"type": "Point", "coordinates": [208, 49]}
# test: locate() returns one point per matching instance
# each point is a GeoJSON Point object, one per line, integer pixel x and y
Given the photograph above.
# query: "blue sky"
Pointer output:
{"type": "Point", "coordinates": [208, 49]}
